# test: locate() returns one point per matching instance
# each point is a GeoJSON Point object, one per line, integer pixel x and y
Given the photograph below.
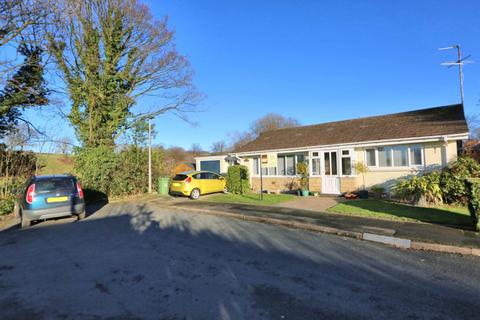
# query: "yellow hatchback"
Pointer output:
{"type": "Point", "coordinates": [195, 183]}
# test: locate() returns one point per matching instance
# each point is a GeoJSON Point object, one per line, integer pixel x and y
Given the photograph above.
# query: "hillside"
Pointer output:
{"type": "Point", "coordinates": [51, 163]}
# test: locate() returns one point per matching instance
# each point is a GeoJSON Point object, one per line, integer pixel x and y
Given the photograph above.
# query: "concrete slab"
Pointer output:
{"type": "Point", "coordinates": [396, 242]}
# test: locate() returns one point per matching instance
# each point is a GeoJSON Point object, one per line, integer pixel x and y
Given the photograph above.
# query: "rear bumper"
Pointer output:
{"type": "Point", "coordinates": [179, 193]}
{"type": "Point", "coordinates": [57, 212]}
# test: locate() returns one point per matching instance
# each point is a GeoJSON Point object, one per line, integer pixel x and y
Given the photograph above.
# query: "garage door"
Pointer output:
{"type": "Point", "coordinates": [211, 165]}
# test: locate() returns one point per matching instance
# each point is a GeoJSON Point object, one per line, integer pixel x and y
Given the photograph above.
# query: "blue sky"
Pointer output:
{"type": "Point", "coordinates": [316, 61]}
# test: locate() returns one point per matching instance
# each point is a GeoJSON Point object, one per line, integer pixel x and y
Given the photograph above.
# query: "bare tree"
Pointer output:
{"type": "Point", "coordinates": [219, 146]}
{"type": "Point", "coordinates": [110, 54]}
{"type": "Point", "coordinates": [473, 122]}
{"type": "Point", "coordinates": [65, 145]}
{"type": "Point", "coordinates": [196, 150]}
{"type": "Point", "coordinates": [269, 122]}
{"type": "Point", "coordinates": [241, 138]}
{"type": "Point", "coordinates": [272, 121]}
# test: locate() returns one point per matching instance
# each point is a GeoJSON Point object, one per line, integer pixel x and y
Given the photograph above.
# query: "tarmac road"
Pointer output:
{"type": "Point", "coordinates": [137, 261]}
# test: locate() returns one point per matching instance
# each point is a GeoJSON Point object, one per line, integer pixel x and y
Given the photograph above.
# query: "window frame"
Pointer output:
{"type": "Point", "coordinates": [350, 154]}
{"type": "Point", "coordinates": [390, 149]}
{"type": "Point", "coordinates": [277, 169]}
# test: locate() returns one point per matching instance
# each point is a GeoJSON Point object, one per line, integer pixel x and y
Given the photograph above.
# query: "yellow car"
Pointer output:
{"type": "Point", "coordinates": [195, 183]}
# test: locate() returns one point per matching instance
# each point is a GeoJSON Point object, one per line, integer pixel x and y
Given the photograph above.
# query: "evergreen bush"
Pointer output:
{"type": "Point", "coordinates": [473, 191]}
{"type": "Point", "coordinates": [237, 179]}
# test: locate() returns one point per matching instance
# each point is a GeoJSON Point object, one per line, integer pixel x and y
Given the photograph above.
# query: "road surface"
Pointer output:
{"type": "Point", "coordinates": [136, 261]}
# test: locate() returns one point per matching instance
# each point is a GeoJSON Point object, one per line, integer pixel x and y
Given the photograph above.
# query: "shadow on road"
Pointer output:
{"type": "Point", "coordinates": [133, 262]}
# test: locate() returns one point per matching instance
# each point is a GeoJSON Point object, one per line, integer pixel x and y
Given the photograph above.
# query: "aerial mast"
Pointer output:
{"type": "Point", "coordinates": [460, 61]}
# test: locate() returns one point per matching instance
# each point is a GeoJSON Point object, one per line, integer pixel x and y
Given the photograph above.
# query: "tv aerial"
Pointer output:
{"type": "Point", "coordinates": [459, 62]}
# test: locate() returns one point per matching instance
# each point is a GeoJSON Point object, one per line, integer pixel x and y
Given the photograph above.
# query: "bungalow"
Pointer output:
{"type": "Point", "coordinates": [391, 146]}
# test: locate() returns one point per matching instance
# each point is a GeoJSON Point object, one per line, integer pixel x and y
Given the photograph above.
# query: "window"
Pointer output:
{"type": "Point", "coordinates": [316, 166]}
{"type": "Point", "coordinates": [300, 158]}
{"type": "Point", "coordinates": [400, 156]}
{"type": "Point", "coordinates": [371, 160]}
{"type": "Point", "coordinates": [384, 157]}
{"type": "Point", "coordinates": [290, 161]}
{"type": "Point", "coordinates": [255, 166]}
{"type": "Point", "coordinates": [395, 156]}
{"type": "Point", "coordinates": [415, 156]}
{"type": "Point", "coordinates": [326, 159]}
{"type": "Point", "coordinates": [281, 165]}
{"type": "Point", "coordinates": [330, 163]}
{"type": "Point", "coordinates": [334, 163]}
{"type": "Point", "coordinates": [346, 163]}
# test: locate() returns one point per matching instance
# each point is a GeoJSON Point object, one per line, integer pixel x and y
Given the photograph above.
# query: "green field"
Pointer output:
{"type": "Point", "coordinates": [249, 198]}
{"type": "Point", "coordinates": [51, 163]}
{"type": "Point", "coordinates": [379, 209]}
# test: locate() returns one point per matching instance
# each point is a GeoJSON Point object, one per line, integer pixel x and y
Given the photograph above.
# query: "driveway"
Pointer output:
{"type": "Point", "coordinates": [136, 261]}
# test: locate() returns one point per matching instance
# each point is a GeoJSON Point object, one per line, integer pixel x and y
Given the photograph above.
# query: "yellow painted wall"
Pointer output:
{"type": "Point", "coordinates": [436, 155]}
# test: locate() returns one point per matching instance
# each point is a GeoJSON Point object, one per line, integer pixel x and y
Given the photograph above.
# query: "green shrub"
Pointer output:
{"type": "Point", "coordinates": [237, 179]}
{"type": "Point", "coordinates": [302, 171]}
{"type": "Point", "coordinates": [453, 179]}
{"type": "Point", "coordinates": [6, 205]}
{"type": "Point", "coordinates": [97, 167]}
{"type": "Point", "coordinates": [427, 186]}
{"type": "Point", "coordinates": [377, 189]}
{"type": "Point", "coordinates": [473, 192]}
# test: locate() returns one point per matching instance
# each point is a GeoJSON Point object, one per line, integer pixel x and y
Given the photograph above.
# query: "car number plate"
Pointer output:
{"type": "Point", "coordinates": [57, 199]}
{"type": "Point", "coordinates": [176, 184]}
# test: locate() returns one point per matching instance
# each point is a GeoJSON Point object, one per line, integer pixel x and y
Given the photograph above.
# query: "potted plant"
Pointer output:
{"type": "Point", "coordinates": [361, 168]}
{"type": "Point", "coordinates": [302, 172]}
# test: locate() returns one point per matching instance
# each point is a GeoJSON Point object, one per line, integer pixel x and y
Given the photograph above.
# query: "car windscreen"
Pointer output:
{"type": "Point", "coordinates": [180, 177]}
{"type": "Point", "coordinates": [54, 185]}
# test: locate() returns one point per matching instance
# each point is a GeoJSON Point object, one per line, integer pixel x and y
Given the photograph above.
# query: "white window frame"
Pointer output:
{"type": "Point", "coordinates": [393, 167]}
{"type": "Point", "coordinates": [351, 154]}
{"type": "Point", "coordinates": [295, 161]}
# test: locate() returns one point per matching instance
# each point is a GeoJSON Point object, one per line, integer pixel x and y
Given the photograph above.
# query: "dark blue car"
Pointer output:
{"type": "Point", "coordinates": [52, 196]}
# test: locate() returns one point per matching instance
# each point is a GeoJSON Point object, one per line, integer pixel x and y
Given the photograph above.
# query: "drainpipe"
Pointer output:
{"type": "Point", "coordinates": [445, 150]}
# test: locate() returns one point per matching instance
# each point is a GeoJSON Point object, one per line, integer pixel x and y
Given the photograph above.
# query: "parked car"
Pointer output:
{"type": "Point", "coordinates": [52, 196]}
{"type": "Point", "coordinates": [195, 183]}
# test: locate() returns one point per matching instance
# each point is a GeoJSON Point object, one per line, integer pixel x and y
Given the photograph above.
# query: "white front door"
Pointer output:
{"type": "Point", "coordinates": [330, 177]}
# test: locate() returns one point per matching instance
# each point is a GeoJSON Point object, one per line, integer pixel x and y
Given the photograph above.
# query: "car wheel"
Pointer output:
{"type": "Point", "coordinates": [225, 190]}
{"type": "Point", "coordinates": [25, 222]}
{"type": "Point", "coordinates": [195, 194]}
{"type": "Point", "coordinates": [81, 215]}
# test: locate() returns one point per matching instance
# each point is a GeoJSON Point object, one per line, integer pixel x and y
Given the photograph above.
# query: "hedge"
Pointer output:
{"type": "Point", "coordinates": [474, 201]}
{"type": "Point", "coordinates": [237, 179]}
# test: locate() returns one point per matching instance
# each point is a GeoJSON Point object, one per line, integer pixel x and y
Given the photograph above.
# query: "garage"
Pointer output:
{"type": "Point", "coordinates": [210, 165]}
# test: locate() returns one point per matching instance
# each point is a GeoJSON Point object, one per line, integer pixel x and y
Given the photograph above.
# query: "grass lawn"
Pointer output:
{"type": "Point", "coordinates": [393, 211]}
{"type": "Point", "coordinates": [249, 198]}
{"type": "Point", "coordinates": [50, 163]}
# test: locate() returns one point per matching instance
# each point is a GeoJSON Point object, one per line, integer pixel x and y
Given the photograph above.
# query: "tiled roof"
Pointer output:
{"type": "Point", "coordinates": [437, 121]}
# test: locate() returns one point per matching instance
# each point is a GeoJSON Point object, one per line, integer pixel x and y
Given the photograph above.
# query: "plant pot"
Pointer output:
{"type": "Point", "coordinates": [363, 194]}
{"type": "Point", "coordinates": [305, 193]}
